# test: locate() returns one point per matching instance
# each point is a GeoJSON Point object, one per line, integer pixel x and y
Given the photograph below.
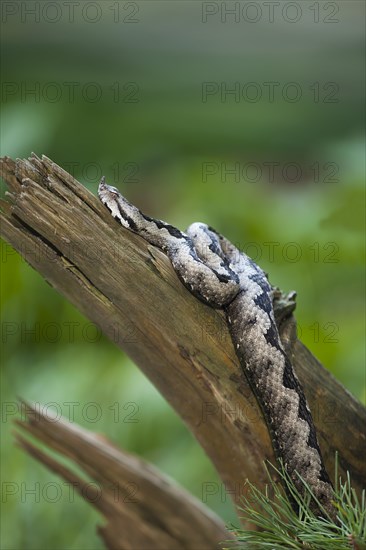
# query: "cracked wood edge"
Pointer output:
{"type": "Point", "coordinates": [130, 291]}
{"type": "Point", "coordinates": [143, 507]}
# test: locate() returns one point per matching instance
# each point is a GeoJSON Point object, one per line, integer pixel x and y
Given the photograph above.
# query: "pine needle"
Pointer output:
{"type": "Point", "coordinates": [280, 527]}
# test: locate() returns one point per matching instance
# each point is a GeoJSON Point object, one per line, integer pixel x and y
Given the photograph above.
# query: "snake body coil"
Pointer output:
{"type": "Point", "coordinates": [217, 273]}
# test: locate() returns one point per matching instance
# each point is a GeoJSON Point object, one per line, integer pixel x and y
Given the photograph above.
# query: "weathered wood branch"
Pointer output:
{"type": "Point", "coordinates": [129, 289]}
{"type": "Point", "coordinates": [143, 508]}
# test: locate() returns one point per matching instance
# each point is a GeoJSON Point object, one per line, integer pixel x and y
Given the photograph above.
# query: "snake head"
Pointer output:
{"type": "Point", "coordinates": [107, 191]}
{"type": "Point", "coordinates": [119, 207]}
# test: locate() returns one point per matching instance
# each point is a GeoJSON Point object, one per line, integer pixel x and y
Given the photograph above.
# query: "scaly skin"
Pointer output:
{"type": "Point", "coordinates": [217, 273]}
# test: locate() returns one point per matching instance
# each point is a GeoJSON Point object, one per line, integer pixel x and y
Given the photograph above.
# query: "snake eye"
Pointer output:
{"type": "Point", "coordinates": [104, 187]}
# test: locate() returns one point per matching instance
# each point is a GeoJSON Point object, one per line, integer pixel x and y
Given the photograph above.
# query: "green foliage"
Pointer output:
{"type": "Point", "coordinates": [155, 150]}
{"type": "Point", "coordinates": [280, 527]}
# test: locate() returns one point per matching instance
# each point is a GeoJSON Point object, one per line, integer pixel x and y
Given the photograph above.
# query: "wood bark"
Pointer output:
{"type": "Point", "coordinates": [130, 291]}
{"type": "Point", "coordinates": [143, 508]}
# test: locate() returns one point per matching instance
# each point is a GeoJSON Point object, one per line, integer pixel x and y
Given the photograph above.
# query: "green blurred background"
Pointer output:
{"type": "Point", "coordinates": [140, 92]}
